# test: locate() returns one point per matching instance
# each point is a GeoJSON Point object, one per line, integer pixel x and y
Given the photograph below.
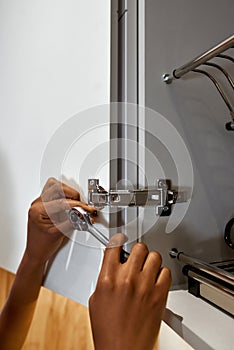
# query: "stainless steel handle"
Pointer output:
{"type": "Point", "coordinates": [203, 266]}
{"type": "Point", "coordinates": [210, 283]}
{"type": "Point", "coordinates": [220, 90]}
{"type": "Point", "coordinates": [202, 59]}
{"type": "Point", "coordinates": [205, 56]}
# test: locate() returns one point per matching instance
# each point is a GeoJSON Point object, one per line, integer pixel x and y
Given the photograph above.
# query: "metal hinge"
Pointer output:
{"type": "Point", "coordinates": [161, 197]}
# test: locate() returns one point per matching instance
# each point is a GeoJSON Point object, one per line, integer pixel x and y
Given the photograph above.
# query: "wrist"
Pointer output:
{"type": "Point", "coordinates": [31, 263]}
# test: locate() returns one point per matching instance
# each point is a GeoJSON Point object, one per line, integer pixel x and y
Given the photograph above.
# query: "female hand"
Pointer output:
{"type": "Point", "coordinates": [128, 304]}
{"type": "Point", "coordinates": [48, 223]}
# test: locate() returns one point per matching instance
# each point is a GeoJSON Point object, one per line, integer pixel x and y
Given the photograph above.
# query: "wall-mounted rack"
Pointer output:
{"type": "Point", "coordinates": [203, 60]}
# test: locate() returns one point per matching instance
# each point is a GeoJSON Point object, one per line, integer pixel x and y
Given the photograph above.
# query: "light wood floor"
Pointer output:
{"type": "Point", "coordinates": [58, 324]}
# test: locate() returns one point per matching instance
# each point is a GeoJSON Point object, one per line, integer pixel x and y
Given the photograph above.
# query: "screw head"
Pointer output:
{"type": "Point", "coordinates": [73, 217]}
{"type": "Point", "coordinates": [167, 78]}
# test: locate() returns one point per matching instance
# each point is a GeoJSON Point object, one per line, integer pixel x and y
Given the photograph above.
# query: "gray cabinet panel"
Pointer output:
{"type": "Point", "coordinates": [175, 33]}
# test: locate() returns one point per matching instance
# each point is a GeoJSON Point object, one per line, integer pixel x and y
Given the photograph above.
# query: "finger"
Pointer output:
{"type": "Point", "coordinates": [51, 224]}
{"type": "Point", "coordinates": [152, 266]}
{"type": "Point", "coordinates": [59, 205]}
{"type": "Point", "coordinates": [163, 281]}
{"type": "Point", "coordinates": [70, 192]}
{"type": "Point", "coordinates": [50, 182]}
{"type": "Point", "coordinates": [59, 190]}
{"type": "Point", "coordinates": [111, 259]}
{"type": "Point", "coordinates": [137, 257]}
{"type": "Point", "coordinates": [36, 201]}
{"type": "Point", "coordinates": [51, 193]}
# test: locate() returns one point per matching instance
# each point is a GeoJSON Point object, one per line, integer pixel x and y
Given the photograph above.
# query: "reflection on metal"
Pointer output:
{"type": "Point", "coordinates": [203, 60]}
{"type": "Point", "coordinates": [226, 57]}
{"type": "Point", "coordinates": [220, 90]}
{"type": "Point", "coordinates": [161, 197]}
{"type": "Point", "coordinates": [205, 267]}
{"type": "Point", "coordinates": [227, 75]}
{"type": "Point", "coordinates": [229, 233]}
{"type": "Point", "coordinates": [213, 282]}
{"type": "Point", "coordinates": [204, 57]}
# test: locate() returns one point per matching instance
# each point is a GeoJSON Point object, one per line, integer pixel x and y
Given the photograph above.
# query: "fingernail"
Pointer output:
{"type": "Point", "coordinates": [117, 240]}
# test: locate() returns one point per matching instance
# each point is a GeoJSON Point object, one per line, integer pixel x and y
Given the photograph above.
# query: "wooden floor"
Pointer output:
{"type": "Point", "coordinates": [58, 324]}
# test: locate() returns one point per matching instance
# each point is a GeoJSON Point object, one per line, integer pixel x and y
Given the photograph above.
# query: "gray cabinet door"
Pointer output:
{"type": "Point", "coordinates": [192, 131]}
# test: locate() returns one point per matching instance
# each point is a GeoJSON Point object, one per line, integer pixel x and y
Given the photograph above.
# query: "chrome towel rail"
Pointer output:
{"type": "Point", "coordinates": [205, 56]}
{"type": "Point", "coordinates": [202, 59]}
{"type": "Point", "coordinates": [209, 269]}
{"type": "Point", "coordinates": [218, 87]}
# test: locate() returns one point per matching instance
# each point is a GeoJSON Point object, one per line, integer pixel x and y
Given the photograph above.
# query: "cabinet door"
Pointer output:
{"type": "Point", "coordinates": [177, 131]}
{"type": "Point", "coordinates": [185, 134]}
{"type": "Point", "coordinates": [55, 65]}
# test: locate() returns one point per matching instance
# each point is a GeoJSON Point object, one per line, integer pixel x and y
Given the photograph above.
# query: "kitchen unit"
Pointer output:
{"type": "Point", "coordinates": [149, 129]}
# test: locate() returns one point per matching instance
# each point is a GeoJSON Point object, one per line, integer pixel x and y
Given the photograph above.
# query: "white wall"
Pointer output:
{"type": "Point", "coordinates": [54, 62]}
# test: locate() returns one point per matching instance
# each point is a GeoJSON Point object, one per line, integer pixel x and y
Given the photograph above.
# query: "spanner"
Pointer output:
{"type": "Point", "coordinates": [81, 221]}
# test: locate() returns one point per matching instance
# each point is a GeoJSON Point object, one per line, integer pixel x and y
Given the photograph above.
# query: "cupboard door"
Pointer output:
{"type": "Point", "coordinates": [186, 132]}
{"type": "Point", "coordinates": [55, 65]}
{"type": "Point", "coordinates": [174, 131]}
